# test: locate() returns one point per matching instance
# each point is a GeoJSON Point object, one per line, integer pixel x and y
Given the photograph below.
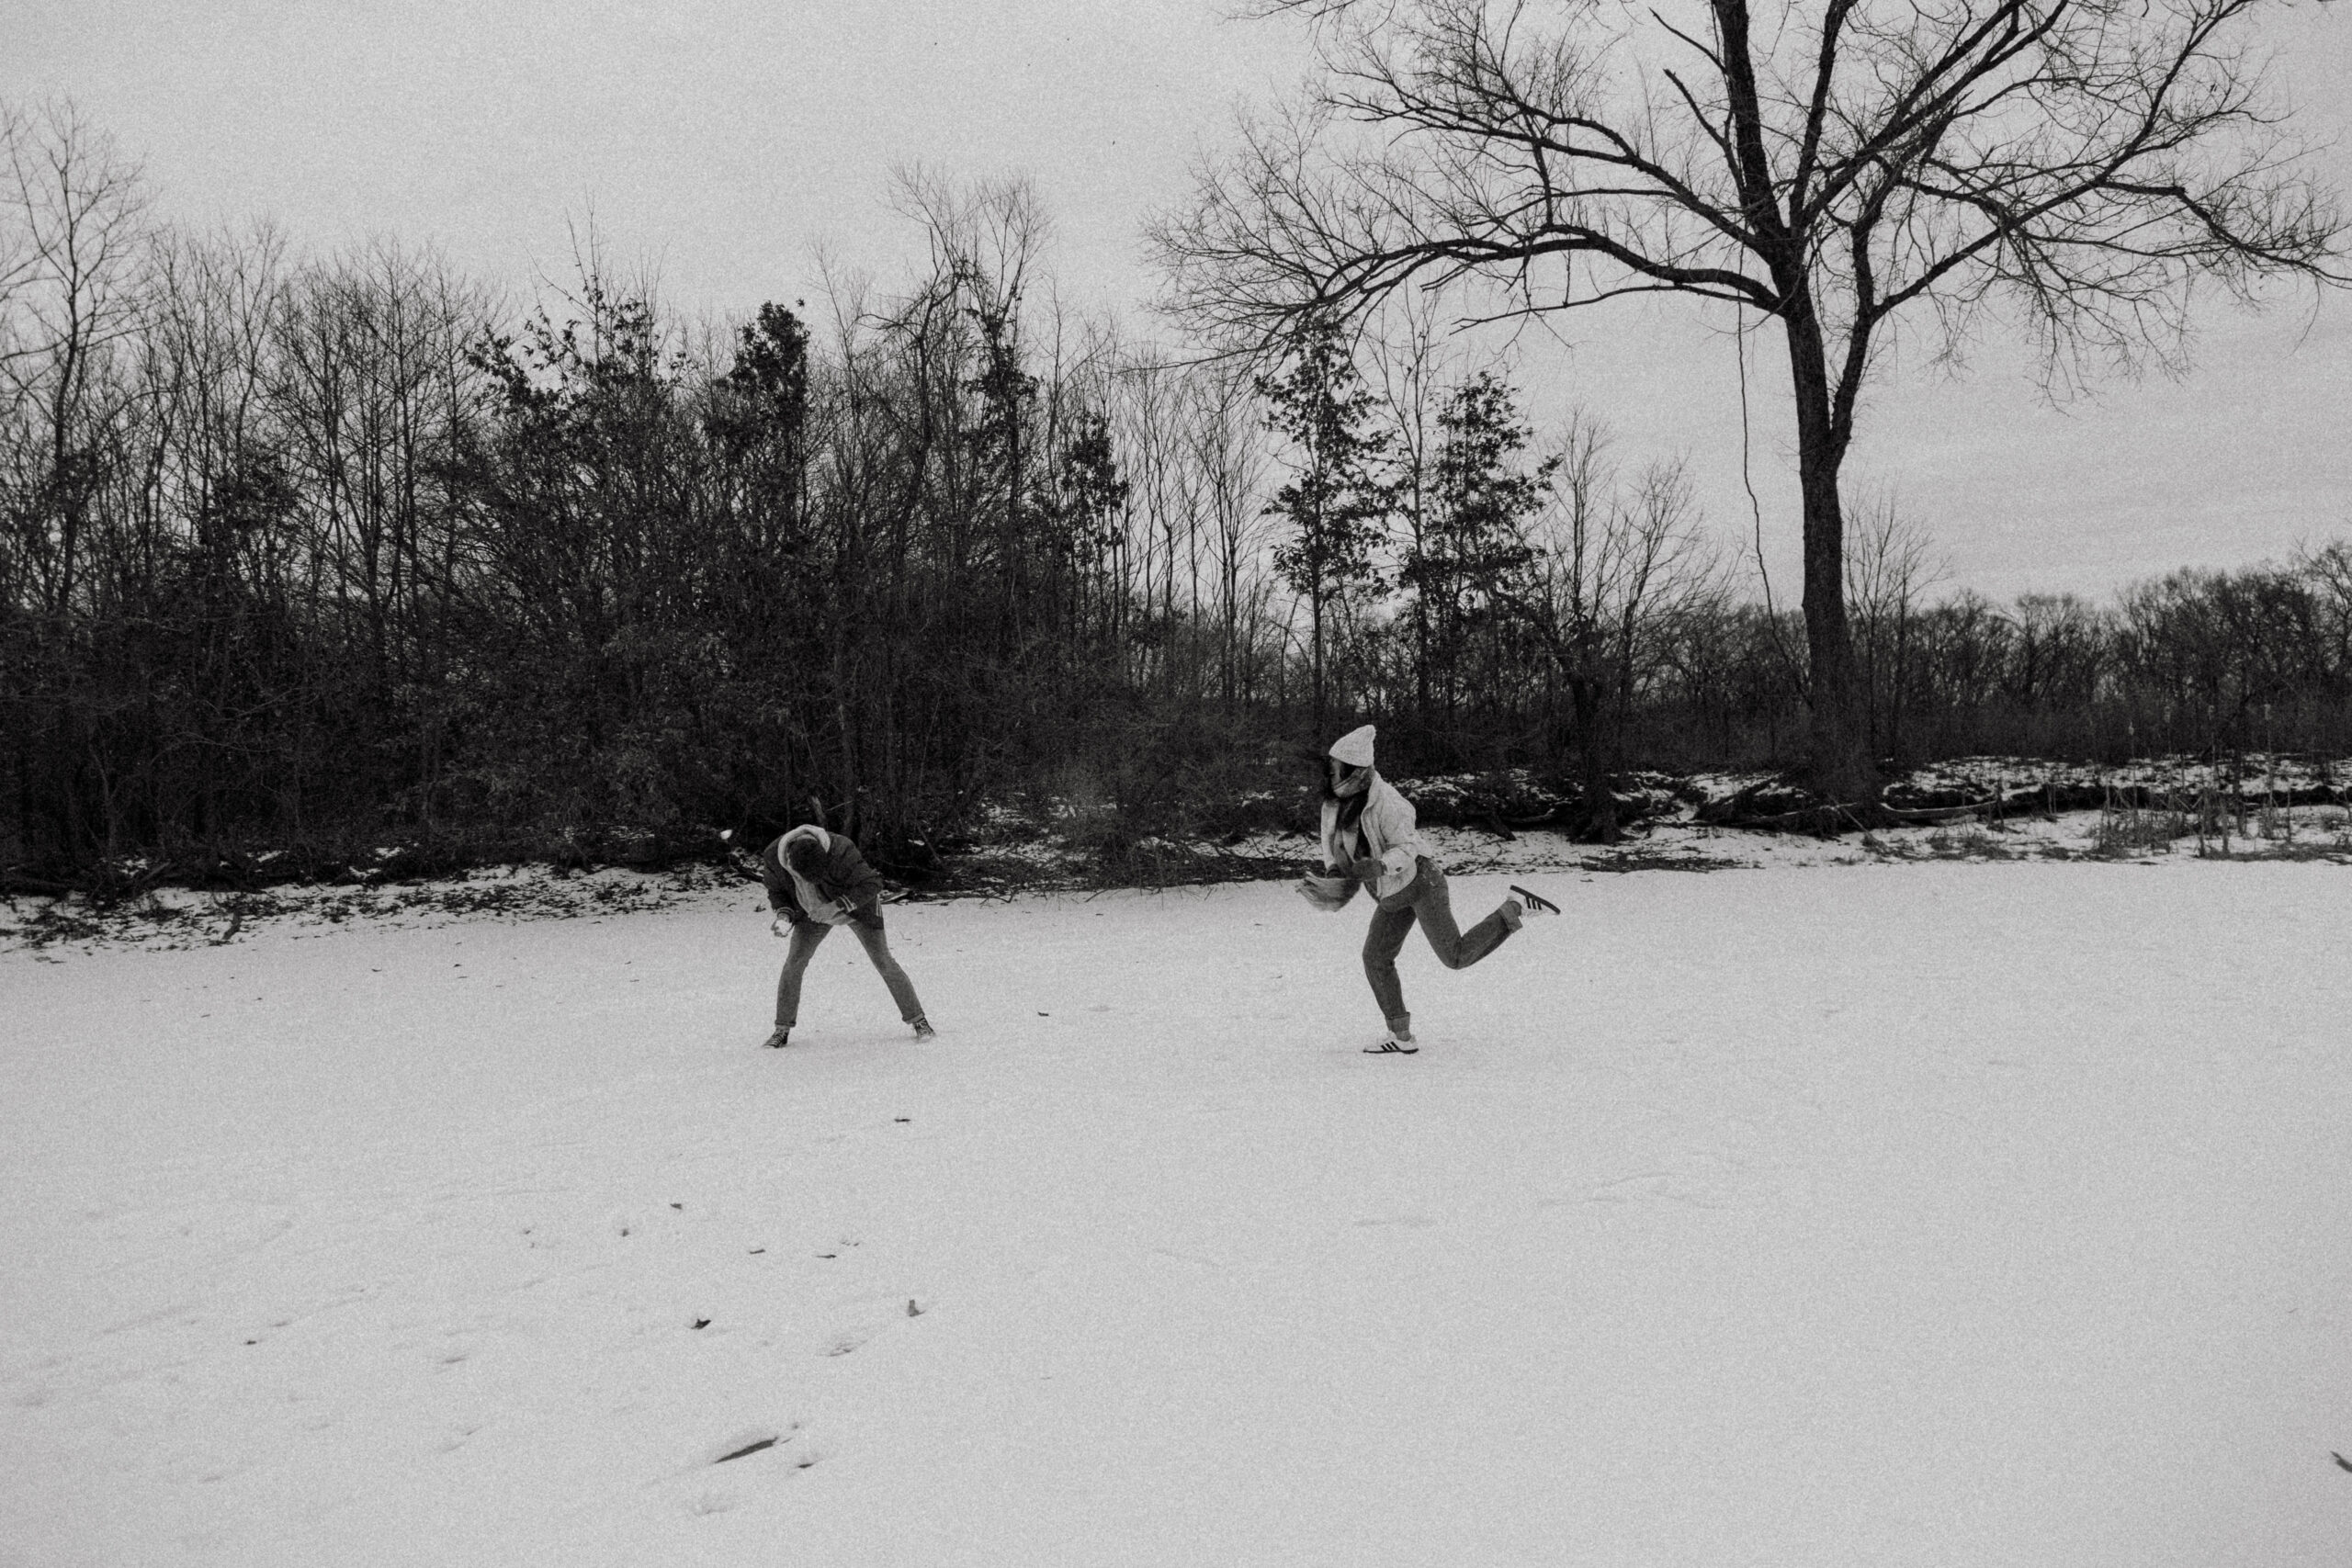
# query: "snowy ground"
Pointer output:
{"type": "Point", "coordinates": [1898, 1212]}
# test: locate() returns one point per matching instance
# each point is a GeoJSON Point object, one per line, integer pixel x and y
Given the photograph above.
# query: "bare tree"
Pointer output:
{"type": "Point", "coordinates": [2328, 570]}
{"type": "Point", "coordinates": [373, 391]}
{"type": "Point", "coordinates": [1618, 563]}
{"type": "Point", "coordinates": [1831, 164]}
{"type": "Point", "coordinates": [1148, 422]}
{"type": "Point", "coordinates": [1890, 564]}
{"type": "Point", "coordinates": [1228, 454]}
{"type": "Point", "coordinates": [1409, 361]}
{"type": "Point", "coordinates": [74, 235]}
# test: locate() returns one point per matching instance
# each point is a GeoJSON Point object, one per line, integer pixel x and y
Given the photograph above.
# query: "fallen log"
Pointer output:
{"type": "Point", "coordinates": [2019, 800]}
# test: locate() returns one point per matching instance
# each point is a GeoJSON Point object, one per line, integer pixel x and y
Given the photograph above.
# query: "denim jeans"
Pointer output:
{"type": "Point", "coordinates": [1425, 901]}
{"type": "Point", "coordinates": [805, 938]}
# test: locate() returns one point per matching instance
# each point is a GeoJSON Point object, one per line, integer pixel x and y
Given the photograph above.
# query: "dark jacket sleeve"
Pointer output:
{"type": "Point", "coordinates": [854, 883]}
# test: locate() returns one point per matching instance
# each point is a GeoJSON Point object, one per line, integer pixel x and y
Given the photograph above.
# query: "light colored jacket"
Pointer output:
{"type": "Point", "coordinates": [1390, 831]}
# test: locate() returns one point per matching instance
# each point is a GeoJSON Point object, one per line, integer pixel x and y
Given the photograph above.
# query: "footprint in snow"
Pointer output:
{"type": "Point", "coordinates": [1700, 1181]}
{"type": "Point", "coordinates": [457, 1438]}
{"type": "Point", "coordinates": [1625, 1189]}
{"type": "Point", "coordinates": [747, 1442]}
{"type": "Point", "coordinates": [751, 1441]}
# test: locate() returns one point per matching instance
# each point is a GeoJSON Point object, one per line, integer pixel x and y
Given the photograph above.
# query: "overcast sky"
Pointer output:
{"type": "Point", "coordinates": [727, 141]}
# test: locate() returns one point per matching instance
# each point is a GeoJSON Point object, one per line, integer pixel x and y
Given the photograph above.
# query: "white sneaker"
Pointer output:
{"type": "Point", "coordinates": [1395, 1045]}
{"type": "Point", "coordinates": [1532, 903]}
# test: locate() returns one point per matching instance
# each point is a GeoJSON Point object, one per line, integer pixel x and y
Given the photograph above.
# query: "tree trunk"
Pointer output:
{"type": "Point", "coordinates": [1599, 801]}
{"type": "Point", "coordinates": [1315, 622]}
{"type": "Point", "coordinates": [1838, 765]}
{"type": "Point", "coordinates": [1422, 659]}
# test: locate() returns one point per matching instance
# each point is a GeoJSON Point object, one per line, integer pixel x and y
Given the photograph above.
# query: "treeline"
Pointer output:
{"type": "Point", "coordinates": [2200, 663]}
{"type": "Point", "coordinates": [324, 555]}
{"type": "Point", "coordinates": [317, 554]}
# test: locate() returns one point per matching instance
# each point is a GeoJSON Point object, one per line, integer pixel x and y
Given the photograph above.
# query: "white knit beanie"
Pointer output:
{"type": "Point", "coordinates": [1354, 748]}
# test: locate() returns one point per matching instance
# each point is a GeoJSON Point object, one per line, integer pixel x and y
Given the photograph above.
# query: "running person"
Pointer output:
{"type": "Point", "coordinates": [816, 881]}
{"type": "Point", "coordinates": [1371, 838]}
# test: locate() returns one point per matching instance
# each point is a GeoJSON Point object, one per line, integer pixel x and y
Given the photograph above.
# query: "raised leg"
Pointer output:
{"type": "Point", "coordinates": [1455, 948]}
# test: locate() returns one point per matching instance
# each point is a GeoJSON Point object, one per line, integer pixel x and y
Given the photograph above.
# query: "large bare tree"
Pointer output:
{"type": "Point", "coordinates": [1831, 165]}
{"type": "Point", "coordinates": [74, 237]}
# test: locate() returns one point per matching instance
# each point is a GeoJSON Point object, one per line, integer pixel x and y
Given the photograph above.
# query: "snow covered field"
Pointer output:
{"type": "Point", "coordinates": [1891, 1213]}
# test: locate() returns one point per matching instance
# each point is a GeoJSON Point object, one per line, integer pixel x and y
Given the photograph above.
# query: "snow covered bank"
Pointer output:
{"type": "Point", "coordinates": [1806, 1216]}
{"type": "Point", "coordinates": [171, 917]}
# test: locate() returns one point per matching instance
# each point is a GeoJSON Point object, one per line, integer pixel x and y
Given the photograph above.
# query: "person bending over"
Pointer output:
{"type": "Point", "coordinates": [816, 880]}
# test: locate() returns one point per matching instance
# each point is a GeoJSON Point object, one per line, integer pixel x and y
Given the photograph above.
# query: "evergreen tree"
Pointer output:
{"type": "Point", "coordinates": [1469, 560]}
{"type": "Point", "coordinates": [1337, 500]}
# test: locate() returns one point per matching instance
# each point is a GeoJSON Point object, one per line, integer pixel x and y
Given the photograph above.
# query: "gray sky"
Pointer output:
{"type": "Point", "coordinates": [727, 139]}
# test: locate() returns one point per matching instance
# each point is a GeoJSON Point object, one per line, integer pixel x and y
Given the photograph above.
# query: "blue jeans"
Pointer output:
{"type": "Point", "coordinates": [1423, 899]}
{"type": "Point", "coordinates": [806, 935]}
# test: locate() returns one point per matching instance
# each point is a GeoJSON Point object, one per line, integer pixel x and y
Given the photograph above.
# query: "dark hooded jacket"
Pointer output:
{"type": "Point", "coordinates": [845, 889]}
